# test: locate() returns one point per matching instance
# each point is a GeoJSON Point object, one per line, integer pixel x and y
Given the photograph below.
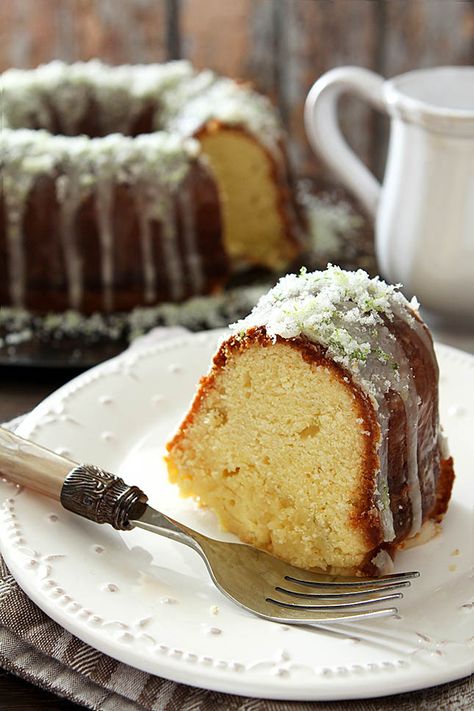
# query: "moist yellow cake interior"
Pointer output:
{"type": "Point", "coordinates": [254, 230]}
{"type": "Point", "coordinates": [276, 447]}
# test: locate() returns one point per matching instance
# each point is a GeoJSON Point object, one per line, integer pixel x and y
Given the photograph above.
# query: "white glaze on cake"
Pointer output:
{"type": "Point", "coordinates": [182, 98]}
{"type": "Point", "coordinates": [193, 257]}
{"type": "Point", "coordinates": [37, 98]}
{"type": "Point", "coordinates": [347, 313]}
{"type": "Point", "coordinates": [57, 97]}
{"type": "Point", "coordinates": [104, 192]}
{"type": "Point", "coordinates": [155, 165]}
{"type": "Point", "coordinates": [210, 98]}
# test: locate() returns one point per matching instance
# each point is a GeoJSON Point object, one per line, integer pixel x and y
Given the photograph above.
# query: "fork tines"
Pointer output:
{"type": "Point", "coordinates": [328, 581]}
{"type": "Point", "coordinates": [345, 604]}
{"type": "Point", "coordinates": [338, 596]}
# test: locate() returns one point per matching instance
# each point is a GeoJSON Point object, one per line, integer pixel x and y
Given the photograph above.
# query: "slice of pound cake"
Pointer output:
{"type": "Point", "coordinates": [316, 435]}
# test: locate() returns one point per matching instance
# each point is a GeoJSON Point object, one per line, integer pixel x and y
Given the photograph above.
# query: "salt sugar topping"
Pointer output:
{"type": "Point", "coordinates": [340, 310]}
{"type": "Point", "coordinates": [40, 97]}
{"type": "Point", "coordinates": [349, 314]}
{"type": "Point", "coordinates": [224, 101]}
{"type": "Point", "coordinates": [182, 99]}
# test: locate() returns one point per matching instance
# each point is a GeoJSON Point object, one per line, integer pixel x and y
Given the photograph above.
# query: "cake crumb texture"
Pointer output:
{"type": "Point", "coordinates": [255, 211]}
{"type": "Point", "coordinates": [276, 444]}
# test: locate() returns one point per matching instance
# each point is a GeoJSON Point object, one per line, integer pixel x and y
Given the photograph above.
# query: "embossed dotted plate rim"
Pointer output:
{"type": "Point", "coordinates": [233, 652]}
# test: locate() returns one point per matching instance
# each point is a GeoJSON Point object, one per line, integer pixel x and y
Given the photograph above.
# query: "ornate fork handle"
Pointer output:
{"type": "Point", "coordinates": [84, 489]}
{"type": "Point", "coordinates": [102, 497]}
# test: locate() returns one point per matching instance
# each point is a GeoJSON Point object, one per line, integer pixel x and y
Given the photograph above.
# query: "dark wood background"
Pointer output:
{"type": "Point", "coordinates": [282, 46]}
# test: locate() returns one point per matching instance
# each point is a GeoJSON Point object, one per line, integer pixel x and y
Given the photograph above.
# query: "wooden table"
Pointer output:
{"type": "Point", "coordinates": [20, 391]}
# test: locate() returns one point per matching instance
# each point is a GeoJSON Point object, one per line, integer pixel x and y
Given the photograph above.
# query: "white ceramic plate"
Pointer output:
{"type": "Point", "coordinates": [149, 602]}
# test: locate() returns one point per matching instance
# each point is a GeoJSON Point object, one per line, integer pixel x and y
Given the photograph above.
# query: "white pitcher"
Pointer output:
{"type": "Point", "coordinates": [424, 211]}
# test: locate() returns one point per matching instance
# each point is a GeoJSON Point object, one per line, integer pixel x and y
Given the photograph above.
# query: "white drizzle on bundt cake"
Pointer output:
{"type": "Point", "coordinates": [316, 433]}
{"type": "Point", "coordinates": [154, 164]}
{"type": "Point", "coordinates": [136, 219]}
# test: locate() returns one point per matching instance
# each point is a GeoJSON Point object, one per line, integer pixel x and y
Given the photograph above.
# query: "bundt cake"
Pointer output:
{"type": "Point", "coordinates": [315, 435]}
{"type": "Point", "coordinates": [131, 185]}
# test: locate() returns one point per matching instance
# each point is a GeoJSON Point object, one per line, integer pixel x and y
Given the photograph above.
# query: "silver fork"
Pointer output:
{"type": "Point", "coordinates": [255, 580]}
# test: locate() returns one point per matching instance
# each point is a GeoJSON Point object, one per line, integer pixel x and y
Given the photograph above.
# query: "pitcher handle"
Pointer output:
{"type": "Point", "coordinates": [325, 136]}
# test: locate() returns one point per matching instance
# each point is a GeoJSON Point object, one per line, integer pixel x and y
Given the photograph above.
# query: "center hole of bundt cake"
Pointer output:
{"type": "Point", "coordinates": [95, 123]}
